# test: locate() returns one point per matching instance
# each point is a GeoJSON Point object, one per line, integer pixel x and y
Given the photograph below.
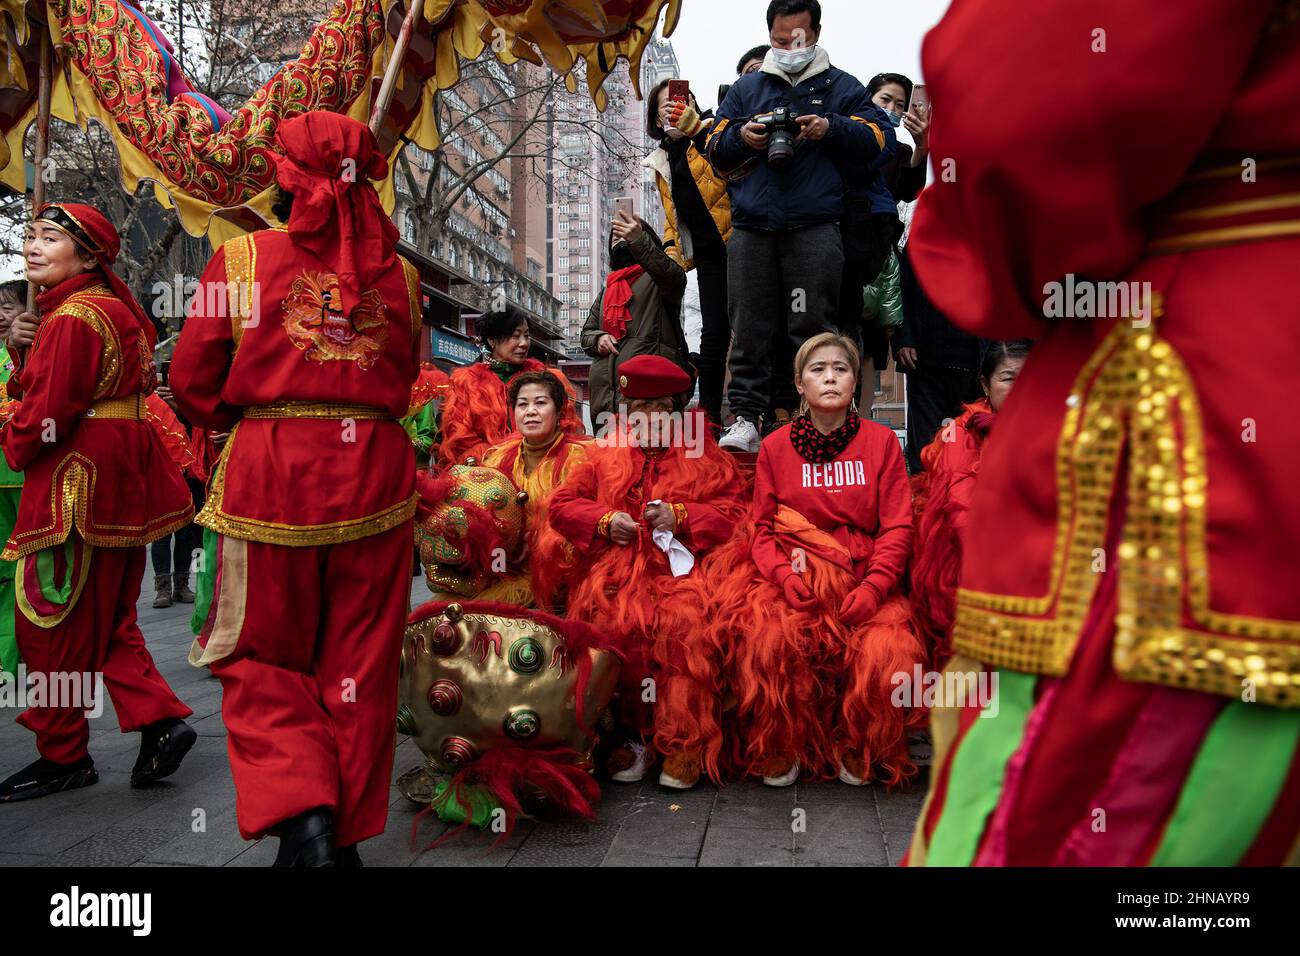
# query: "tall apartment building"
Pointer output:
{"type": "Point", "coordinates": [494, 239]}
{"type": "Point", "coordinates": [596, 159]}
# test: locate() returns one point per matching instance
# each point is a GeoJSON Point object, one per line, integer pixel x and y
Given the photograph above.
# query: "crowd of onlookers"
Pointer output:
{"type": "Point", "coordinates": [789, 203]}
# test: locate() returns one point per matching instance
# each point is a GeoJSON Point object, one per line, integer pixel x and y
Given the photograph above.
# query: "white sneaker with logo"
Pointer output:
{"type": "Point", "coordinates": [740, 435]}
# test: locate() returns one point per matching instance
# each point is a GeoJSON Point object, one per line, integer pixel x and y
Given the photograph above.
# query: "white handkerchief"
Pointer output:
{"type": "Point", "coordinates": [680, 559]}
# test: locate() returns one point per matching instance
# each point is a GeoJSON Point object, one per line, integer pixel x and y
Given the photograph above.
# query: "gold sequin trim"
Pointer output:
{"type": "Point", "coordinates": [110, 350]}
{"type": "Point", "coordinates": [413, 291]}
{"type": "Point", "coordinates": [241, 263]}
{"type": "Point", "coordinates": [317, 410]}
{"type": "Point", "coordinates": [132, 407]}
{"type": "Point", "coordinates": [1135, 390]}
{"type": "Point", "coordinates": [214, 516]}
{"type": "Point", "coordinates": [71, 488]}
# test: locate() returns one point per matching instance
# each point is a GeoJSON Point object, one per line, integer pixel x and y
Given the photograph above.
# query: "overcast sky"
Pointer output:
{"type": "Point", "coordinates": [864, 37]}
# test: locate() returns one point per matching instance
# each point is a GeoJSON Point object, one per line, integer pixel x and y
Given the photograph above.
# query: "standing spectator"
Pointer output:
{"type": "Point", "coordinates": [639, 312]}
{"type": "Point", "coordinates": [752, 61]}
{"type": "Point", "coordinates": [697, 224]}
{"type": "Point", "coordinates": [787, 193]}
{"type": "Point", "coordinates": [172, 556]}
{"type": "Point", "coordinates": [940, 360]}
{"type": "Point", "coordinates": [903, 175]}
{"type": "Point", "coordinates": [904, 172]}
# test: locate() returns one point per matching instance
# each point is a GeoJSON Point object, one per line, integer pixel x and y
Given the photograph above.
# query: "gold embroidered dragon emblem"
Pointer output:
{"type": "Point", "coordinates": [317, 326]}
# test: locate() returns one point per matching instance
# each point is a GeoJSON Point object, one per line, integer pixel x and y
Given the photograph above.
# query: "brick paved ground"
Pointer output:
{"type": "Point", "coordinates": [639, 825]}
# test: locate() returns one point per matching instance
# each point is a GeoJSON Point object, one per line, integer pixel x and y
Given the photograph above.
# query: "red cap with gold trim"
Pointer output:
{"type": "Point", "coordinates": [651, 376]}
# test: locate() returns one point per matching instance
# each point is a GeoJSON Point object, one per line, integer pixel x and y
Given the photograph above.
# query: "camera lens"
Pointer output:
{"type": "Point", "coordinates": [780, 149]}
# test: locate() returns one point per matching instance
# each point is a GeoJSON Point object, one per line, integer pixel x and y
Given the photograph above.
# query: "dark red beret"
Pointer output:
{"type": "Point", "coordinates": [651, 376]}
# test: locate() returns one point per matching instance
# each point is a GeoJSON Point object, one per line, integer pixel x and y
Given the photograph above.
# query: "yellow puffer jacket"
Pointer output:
{"type": "Point", "coordinates": [713, 190]}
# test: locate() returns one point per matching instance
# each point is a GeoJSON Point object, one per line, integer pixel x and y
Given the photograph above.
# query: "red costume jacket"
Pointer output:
{"type": "Point", "coordinates": [475, 417]}
{"type": "Point", "coordinates": [944, 492]}
{"type": "Point", "coordinates": [91, 458]}
{"type": "Point", "coordinates": [611, 580]}
{"type": "Point", "coordinates": [1168, 444]}
{"type": "Point", "coordinates": [861, 498]}
{"type": "Point", "coordinates": [311, 397]}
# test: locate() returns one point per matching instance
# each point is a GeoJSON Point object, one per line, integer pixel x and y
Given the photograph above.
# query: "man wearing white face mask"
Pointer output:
{"type": "Point", "coordinates": [789, 138]}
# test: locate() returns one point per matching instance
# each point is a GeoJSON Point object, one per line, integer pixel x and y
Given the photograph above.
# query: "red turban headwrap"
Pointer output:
{"type": "Point", "coordinates": [93, 233]}
{"type": "Point", "coordinates": [327, 163]}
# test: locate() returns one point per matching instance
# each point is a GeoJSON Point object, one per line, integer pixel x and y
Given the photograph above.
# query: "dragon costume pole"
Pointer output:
{"type": "Point", "coordinates": [390, 73]}
{"type": "Point", "coordinates": [42, 144]}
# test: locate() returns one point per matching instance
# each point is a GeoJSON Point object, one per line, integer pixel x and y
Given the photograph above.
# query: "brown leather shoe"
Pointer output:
{"type": "Point", "coordinates": [162, 590]}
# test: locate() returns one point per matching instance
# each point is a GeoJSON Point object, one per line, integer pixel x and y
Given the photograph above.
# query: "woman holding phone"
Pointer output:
{"type": "Point", "coordinates": [697, 221]}
{"type": "Point", "coordinates": [639, 312]}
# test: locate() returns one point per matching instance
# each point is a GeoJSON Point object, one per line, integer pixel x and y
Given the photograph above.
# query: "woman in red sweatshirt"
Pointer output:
{"type": "Point", "coordinates": [805, 626]}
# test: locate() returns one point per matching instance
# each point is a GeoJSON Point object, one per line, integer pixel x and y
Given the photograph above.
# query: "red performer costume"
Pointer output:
{"type": "Point", "coordinates": [474, 413]}
{"type": "Point", "coordinates": [621, 588]}
{"type": "Point", "coordinates": [1129, 568]}
{"type": "Point", "coordinates": [302, 343]}
{"type": "Point", "coordinates": [944, 490]}
{"type": "Point", "coordinates": [99, 486]}
{"type": "Point", "coordinates": [812, 687]}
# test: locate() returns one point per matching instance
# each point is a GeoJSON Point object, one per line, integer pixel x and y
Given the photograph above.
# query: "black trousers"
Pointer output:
{"type": "Point", "coordinates": [182, 543]}
{"type": "Point", "coordinates": [715, 332]}
{"type": "Point", "coordinates": [795, 276]}
{"type": "Point", "coordinates": [933, 396]}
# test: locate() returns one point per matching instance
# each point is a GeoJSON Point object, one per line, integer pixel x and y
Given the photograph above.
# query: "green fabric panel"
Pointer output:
{"type": "Point", "coordinates": [205, 578]}
{"type": "Point", "coordinates": [9, 656]}
{"type": "Point", "coordinates": [1234, 782]}
{"type": "Point", "coordinates": [978, 767]}
{"type": "Point", "coordinates": [51, 590]}
{"type": "Point", "coordinates": [8, 477]}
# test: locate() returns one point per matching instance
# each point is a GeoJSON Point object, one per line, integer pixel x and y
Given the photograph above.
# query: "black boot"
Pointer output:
{"type": "Point", "coordinates": [349, 858]}
{"type": "Point", "coordinates": [308, 840]}
{"type": "Point", "coordinates": [163, 745]}
{"type": "Point", "coordinates": [44, 777]}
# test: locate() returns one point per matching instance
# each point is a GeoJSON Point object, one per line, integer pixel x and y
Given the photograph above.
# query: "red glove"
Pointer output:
{"type": "Point", "coordinates": [798, 594]}
{"type": "Point", "coordinates": [859, 605]}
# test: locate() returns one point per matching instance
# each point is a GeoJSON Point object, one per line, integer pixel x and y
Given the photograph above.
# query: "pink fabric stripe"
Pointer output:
{"type": "Point", "coordinates": [993, 851]}
{"type": "Point", "coordinates": [1145, 779]}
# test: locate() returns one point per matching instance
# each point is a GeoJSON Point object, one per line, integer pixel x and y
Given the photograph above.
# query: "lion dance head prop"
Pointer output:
{"type": "Point", "coordinates": [504, 700]}
{"type": "Point", "coordinates": [470, 524]}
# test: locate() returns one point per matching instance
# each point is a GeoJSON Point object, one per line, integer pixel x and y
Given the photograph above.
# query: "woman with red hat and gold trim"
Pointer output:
{"type": "Point", "coordinates": [98, 487]}
{"type": "Point", "coordinates": [655, 497]}
{"type": "Point", "coordinates": [800, 617]}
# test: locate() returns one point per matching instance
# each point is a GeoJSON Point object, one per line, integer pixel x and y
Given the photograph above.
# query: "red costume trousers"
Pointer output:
{"type": "Point", "coordinates": [99, 636]}
{"type": "Point", "coordinates": [310, 688]}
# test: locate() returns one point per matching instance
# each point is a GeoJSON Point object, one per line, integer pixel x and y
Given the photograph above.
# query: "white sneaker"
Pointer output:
{"type": "Point", "coordinates": [740, 435]}
{"type": "Point", "coordinates": [787, 778]}
{"type": "Point", "coordinates": [846, 777]}
{"type": "Point", "coordinates": [672, 783]}
{"type": "Point", "coordinates": [642, 758]}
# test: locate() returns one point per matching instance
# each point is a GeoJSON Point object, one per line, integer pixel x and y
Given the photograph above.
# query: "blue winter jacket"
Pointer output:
{"type": "Point", "coordinates": [826, 177]}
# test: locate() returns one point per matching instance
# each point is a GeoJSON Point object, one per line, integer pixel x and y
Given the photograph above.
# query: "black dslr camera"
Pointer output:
{"type": "Point", "coordinates": [781, 129]}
